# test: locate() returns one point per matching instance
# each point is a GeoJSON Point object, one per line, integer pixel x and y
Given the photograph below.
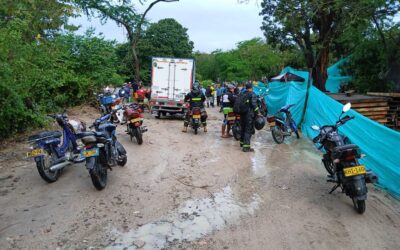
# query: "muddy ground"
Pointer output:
{"type": "Point", "coordinates": [186, 191]}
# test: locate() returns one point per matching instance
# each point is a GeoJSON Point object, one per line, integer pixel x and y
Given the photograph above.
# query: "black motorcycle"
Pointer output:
{"type": "Point", "coordinates": [341, 162]}
{"type": "Point", "coordinates": [102, 150]}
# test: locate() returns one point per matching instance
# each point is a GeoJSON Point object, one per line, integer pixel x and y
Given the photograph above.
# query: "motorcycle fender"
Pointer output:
{"type": "Point", "coordinates": [90, 163]}
{"type": "Point", "coordinates": [120, 148]}
{"type": "Point", "coordinates": [38, 158]}
{"type": "Point", "coordinates": [358, 187]}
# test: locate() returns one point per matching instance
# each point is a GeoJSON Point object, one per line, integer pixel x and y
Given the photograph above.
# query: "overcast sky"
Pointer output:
{"type": "Point", "coordinates": [212, 24]}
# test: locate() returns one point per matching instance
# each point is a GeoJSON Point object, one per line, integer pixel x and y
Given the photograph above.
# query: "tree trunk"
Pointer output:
{"type": "Point", "coordinates": [321, 69]}
{"type": "Point", "coordinates": [136, 63]}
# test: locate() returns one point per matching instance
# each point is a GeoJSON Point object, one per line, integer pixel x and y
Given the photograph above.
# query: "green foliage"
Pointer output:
{"type": "Point", "coordinates": [251, 60]}
{"type": "Point", "coordinates": [39, 75]}
{"type": "Point", "coordinates": [206, 83]}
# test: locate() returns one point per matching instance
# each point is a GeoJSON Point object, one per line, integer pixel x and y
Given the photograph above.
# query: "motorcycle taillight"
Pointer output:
{"type": "Point", "coordinates": [231, 114]}
{"type": "Point", "coordinates": [271, 118]}
{"type": "Point", "coordinates": [349, 155]}
{"type": "Point", "coordinates": [135, 115]}
{"type": "Point", "coordinates": [196, 112]}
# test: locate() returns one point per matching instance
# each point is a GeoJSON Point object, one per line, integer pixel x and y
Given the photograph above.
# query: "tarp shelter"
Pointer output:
{"type": "Point", "coordinates": [379, 143]}
{"type": "Point", "coordinates": [287, 77]}
{"type": "Point", "coordinates": [335, 77]}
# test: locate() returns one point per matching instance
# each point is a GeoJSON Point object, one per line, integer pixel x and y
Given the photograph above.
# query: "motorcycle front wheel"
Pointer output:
{"type": "Point", "coordinates": [359, 205]}
{"type": "Point", "coordinates": [99, 174]}
{"type": "Point", "coordinates": [43, 167]}
{"type": "Point", "coordinates": [277, 134]}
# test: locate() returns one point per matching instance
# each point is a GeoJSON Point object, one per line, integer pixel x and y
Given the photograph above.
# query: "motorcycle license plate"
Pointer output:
{"type": "Point", "coordinates": [90, 152]}
{"type": "Point", "coordinates": [196, 116]}
{"type": "Point", "coordinates": [135, 120]}
{"type": "Point", "coordinates": [271, 124]}
{"type": "Point", "coordinates": [35, 152]}
{"type": "Point", "coordinates": [231, 118]}
{"type": "Point", "coordinates": [357, 170]}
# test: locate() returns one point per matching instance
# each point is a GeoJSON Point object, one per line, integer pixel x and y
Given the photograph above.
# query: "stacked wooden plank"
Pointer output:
{"type": "Point", "coordinates": [393, 115]}
{"type": "Point", "coordinates": [374, 107]}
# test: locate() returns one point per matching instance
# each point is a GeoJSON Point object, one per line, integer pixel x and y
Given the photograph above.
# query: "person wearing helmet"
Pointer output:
{"type": "Point", "coordinates": [247, 119]}
{"type": "Point", "coordinates": [196, 99]}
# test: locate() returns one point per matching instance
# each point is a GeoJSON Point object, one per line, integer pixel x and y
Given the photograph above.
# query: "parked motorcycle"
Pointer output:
{"type": "Point", "coordinates": [106, 100]}
{"type": "Point", "coordinates": [195, 119]}
{"type": "Point", "coordinates": [50, 155]}
{"type": "Point", "coordinates": [102, 150]}
{"type": "Point", "coordinates": [134, 117]}
{"type": "Point", "coordinates": [282, 124]}
{"type": "Point", "coordinates": [341, 162]}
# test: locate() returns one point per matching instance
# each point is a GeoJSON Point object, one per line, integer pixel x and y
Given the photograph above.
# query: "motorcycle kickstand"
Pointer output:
{"type": "Point", "coordinates": [334, 188]}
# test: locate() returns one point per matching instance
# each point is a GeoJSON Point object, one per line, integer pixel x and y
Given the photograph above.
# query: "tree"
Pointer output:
{"type": "Point", "coordinates": [166, 38]}
{"type": "Point", "coordinates": [123, 12]}
{"type": "Point", "coordinates": [315, 25]}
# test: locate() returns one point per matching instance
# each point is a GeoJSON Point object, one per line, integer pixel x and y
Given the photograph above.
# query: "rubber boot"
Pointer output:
{"type": "Point", "coordinates": [205, 128]}
{"type": "Point", "coordinates": [184, 130]}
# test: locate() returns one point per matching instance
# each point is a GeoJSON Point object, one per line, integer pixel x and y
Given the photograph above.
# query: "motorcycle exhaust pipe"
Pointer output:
{"type": "Point", "coordinates": [60, 165]}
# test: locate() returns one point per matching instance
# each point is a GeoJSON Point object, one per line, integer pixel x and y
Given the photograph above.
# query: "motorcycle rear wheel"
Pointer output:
{"type": "Point", "coordinates": [138, 135]}
{"type": "Point", "coordinates": [359, 205]}
{"type": "Point", "coordinates": [236, 132]}
{"type": "Point", "coordinates": [277, 134]}
{"type": "Point", "coordinates": [195, 131]}
{"type": "Point", "coordinates": [99, 174]}
{"type": "Point", "coordinates": [43, 167]}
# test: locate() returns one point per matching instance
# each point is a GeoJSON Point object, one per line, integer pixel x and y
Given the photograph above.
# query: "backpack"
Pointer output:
{"type": "Point", "coordinates": [241, 105]}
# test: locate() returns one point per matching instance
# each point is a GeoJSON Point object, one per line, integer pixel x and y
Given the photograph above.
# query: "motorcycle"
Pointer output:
{"type": "Point", "coordinates": [134, 117]}
{"type": "Point", "coordinates": [50, 155]}
{"type": "Point", "coordinates": [341, 161]}
{"type": "Point", "coordinates": [195, 119]}
{"type": "Point", "coordinates": [283, 125]}
{"type": "Point", "coordinates": [234, 121]}
{"type": "Point", "coordinates": [106, 100]}
{"type": "Point", "coordinates": [102, 150]}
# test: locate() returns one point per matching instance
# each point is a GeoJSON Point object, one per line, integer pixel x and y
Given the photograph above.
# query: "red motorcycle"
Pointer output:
{"type": "Point", "coordinates": [134, 117]}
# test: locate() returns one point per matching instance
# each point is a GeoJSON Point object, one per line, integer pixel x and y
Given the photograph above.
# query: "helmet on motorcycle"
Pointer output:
{"type": "Point", "coordinates": [259, 123]}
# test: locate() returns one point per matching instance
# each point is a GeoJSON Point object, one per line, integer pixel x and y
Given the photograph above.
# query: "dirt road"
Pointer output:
{"type": "Point", "coordinates": [186, 191]}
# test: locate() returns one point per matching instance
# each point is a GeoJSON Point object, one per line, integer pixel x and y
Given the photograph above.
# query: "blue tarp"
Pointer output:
{"type": "Point", "coordinates": [335, 77]}
{"type": "Point", "coordinates": [379, 143]}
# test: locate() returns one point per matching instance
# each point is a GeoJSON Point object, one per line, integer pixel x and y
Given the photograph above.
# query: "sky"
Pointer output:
{"type": "Point", "coordinates": [211, 24]}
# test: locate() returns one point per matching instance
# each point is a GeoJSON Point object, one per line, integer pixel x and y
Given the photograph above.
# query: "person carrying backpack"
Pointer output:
{"type": "Point", "coordinates": [246, 106]}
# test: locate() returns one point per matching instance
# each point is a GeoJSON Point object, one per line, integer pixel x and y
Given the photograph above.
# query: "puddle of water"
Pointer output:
{"type": "Point", "coordinates": [195, 219]}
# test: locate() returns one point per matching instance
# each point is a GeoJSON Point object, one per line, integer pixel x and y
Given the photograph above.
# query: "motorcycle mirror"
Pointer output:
{"type": "Point", "coordinates": [346, 107]}
{"type": "Point", "coordinates": [315, 127]}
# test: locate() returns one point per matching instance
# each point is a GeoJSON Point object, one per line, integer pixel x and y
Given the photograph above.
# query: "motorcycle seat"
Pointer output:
{"type": "Point", "coordinates": [91, 133]}
{"type": "Point", "coordinates": [343, 148]}
{"type": "Point", "coordinates": [45, 134]}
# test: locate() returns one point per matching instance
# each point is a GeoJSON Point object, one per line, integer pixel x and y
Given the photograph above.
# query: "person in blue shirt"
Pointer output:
{"type": "Point", "coordinates": [220, 92]}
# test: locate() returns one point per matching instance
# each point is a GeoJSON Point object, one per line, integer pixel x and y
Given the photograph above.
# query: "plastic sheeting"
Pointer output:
{"type": "Point", "coordinates": [379, 143]}
{"type": "Point", "coordinates": [335, 78]}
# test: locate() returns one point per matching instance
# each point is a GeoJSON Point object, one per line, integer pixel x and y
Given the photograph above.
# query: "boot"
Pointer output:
{"type": "Point", "coordinates": [205, 128]}
{"type": "Point", "coordinates": [184, 130]}
{"type": "Point", "coordinates": [247, 149]}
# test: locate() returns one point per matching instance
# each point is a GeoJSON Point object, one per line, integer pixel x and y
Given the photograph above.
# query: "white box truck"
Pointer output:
{"type": "Point", "coordinates": [171, 80]}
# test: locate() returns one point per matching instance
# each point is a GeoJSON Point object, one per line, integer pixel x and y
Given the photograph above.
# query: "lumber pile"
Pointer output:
{"type": "Point", "coordinates": [374, 107]}
{"type": "Point", "coordinates": [393, 115]}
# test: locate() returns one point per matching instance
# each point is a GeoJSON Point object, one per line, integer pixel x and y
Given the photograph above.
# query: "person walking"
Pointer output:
{"type": "Point", "coordinates": [247, 117]}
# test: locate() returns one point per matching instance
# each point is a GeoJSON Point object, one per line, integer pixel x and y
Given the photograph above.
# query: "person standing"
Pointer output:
{"type": "Point", "coordinates": [247, 118]}
{"type": "Point", "coordinates": [220, 92]}
{"type": "Point", "coordinates": [227, 102]}
{"type": "Point", "coordinates": [208, 95]}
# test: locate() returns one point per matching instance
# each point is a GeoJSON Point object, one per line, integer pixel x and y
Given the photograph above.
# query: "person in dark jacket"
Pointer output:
{"type": "Point", "coordinates": [196, 99]}
{"type": "Point", "coordinates": [247, 119]}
